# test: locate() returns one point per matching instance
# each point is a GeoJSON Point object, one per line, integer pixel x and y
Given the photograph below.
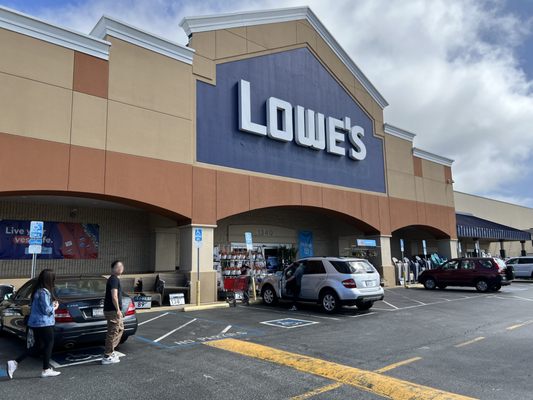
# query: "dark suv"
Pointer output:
{"type": "Point", "coordinates": [482, 273]}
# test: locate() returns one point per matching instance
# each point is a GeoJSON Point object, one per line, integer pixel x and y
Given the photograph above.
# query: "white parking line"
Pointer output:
{"type": "Point", "coordinates": [360, 315]}
{"type": "Point", "coordinates": [390, 305]}
{"type": "Point", "coordinates": [175, 330]}
{"type": "Point", "coordinates": [225, 330]}
{"type": "Point", "coordinates": [152, 319]}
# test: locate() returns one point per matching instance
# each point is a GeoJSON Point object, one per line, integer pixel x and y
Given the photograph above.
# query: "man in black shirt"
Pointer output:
{"type": "Point", "coordinates": [113, 313]}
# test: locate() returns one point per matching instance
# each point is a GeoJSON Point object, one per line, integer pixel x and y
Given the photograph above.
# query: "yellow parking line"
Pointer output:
{"type": "Point", "coordinates": [321, 390]}
{"type": "Point", "coordinates": [382, 385]}
{"type": "Point", "coordinates": [470, 341]}
{"type": "Point", "coordinates": [518, 325]}
{"type": "Point", "coordinates": [396, 365]}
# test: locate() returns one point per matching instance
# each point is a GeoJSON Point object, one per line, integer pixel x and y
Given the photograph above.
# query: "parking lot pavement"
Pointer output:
{"type": "Point", "coordinates": [457, 341]}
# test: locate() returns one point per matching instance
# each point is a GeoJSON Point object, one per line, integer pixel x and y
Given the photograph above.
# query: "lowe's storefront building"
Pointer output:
{"type": "Point", "coordinates": [124, 143]}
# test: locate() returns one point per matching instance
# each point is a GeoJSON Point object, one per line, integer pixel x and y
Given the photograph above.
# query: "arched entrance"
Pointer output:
{"type": "Point", "coordinates": [84, 233]}
{"type": "Point", "coordinates": [420, 240]}
{"type": "Point", "coordinates": [283, 234]}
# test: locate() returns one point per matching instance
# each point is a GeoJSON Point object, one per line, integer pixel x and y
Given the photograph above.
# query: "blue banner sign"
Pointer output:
{"type": "Point", "coordinates": [305, 244]}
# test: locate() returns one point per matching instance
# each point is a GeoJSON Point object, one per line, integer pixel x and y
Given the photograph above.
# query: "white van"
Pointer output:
{"type": "Point", "coordinates": [523, 266]}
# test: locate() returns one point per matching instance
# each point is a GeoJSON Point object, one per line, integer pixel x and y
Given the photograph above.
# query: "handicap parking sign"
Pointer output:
{"type": "Point", "coordinates": [198, 237]}
{"type": "Point", "coordinates": [289, 323]}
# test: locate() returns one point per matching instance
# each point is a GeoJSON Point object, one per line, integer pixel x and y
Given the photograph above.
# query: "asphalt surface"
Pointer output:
{"type": "Point", "coordinates": [457, 340]}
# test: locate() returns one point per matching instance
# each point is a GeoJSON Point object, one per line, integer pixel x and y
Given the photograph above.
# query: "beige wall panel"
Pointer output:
{"type": "Point", "coordinates": [335, 64]}
{"type": "Point", "coordinates": [273, 36]}
{"type": "Point", "coordinates": [32, 58]}
{"type": "Point", "coordinates": [89, 121]}
{"type": "Point", "coordinates": [204, 44]}
{"type": "Point", "coordinates": [401, 185]}
{"type": "Point", "coordinates": [204, 67]}
{"type": "Point", "coordinates": [241, 31]}
{"type": "Point", "coordinates": [34, 109]}
{"type": "Point", "coordinates": [228, 44]}
{"type": "Point", "coordinates": [252, 47]}
{"type": "Point", "coordinates": [399, 155]}
{"type": "Point", "coordinates": [435, 192]}
{"type": "Point", "coordinates": [146, 133]}
{"type": "Point", "coordinates": [497, 211]}
{"type": "Point", "coordinates": [305, 34]}
{"type": "Point", "coordinates": [146, 79]}
{"type": "Point", "coordinates": [450, 200]}
{"type": "Point", "coordinates": [419, 186]}
{"type": "Point", "coordinates": [432, 170]}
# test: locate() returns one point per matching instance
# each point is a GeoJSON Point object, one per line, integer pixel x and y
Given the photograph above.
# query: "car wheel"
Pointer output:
{"type": "Point", "coordinates": [269, 296]}
{"type": "Point", "coordinates": [482, 286]}
{"type": "Point", "coordinates": [329, 301]}
{"type": "Point", "coordinates": [364, 305]}
{"type": "Point", "coordinates": [442, 287]}
{"type": "Point", "coordinates": [496, 287]}
{"type": "Point", "coordinates": [430, 284]}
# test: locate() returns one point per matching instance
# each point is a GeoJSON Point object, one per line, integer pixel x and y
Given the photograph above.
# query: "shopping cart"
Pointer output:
{"type": "Point", "coordinates": [237, 288]}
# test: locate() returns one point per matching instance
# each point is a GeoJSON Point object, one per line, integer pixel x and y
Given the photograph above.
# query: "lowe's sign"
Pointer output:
{"type": "Point", "coordinates": [309, 129]}
{"type": "Point", "coordinates": [285, 114]}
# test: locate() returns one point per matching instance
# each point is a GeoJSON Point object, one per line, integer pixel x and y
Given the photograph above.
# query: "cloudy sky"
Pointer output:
{"type": "Point", "coordinates": [459, 74]}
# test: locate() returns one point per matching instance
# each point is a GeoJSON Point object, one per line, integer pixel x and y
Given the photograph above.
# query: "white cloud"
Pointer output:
{"type": "Point", "coordinates": [447, 68]}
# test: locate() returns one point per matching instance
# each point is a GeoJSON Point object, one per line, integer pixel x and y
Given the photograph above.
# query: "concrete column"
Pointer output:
{"type": "Point", "coordinates": [448, 248]}
{"type": "Point", "coordinates": [502, 249]}
{"type": "Point", "coordinates": [476, 247]}
{"type": "Point", "coordinates": [523, 251]}
{"type": "Point", "coordinates": [189, 262]}
{"type": "Point", "coordinates": [166, 247]}
{"type": "Point", "coordinates": [385, 260]}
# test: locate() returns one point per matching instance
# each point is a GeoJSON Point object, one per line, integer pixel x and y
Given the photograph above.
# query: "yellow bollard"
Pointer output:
{"type": "Point", "coordinates": [254, 291]}
{"type": "Point", "coordinates": [198, 292]}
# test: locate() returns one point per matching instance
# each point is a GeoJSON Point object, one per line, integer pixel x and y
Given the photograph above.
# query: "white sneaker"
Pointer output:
{"type": "Point", "coordinates": [293, 308]}
{"type": "Point", "coordinates": [47, 373]}
{"type": "Point", "coordinates": [112, 359]}
{"type": "Point", "coordinates": [11, 368]}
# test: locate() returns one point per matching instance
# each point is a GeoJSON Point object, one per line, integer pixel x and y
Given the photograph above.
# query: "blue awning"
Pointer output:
{"type": "Point", "coordinates": [469, 226]}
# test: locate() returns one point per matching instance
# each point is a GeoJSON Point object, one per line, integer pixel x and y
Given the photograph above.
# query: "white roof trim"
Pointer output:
{"type": "Point", "coordinates": [120, 30]}
{"type": "Point", "coordinates": [27, 25]}
{"type": "Point", "coordinates": [234, 20]}
{"type": "Point", "coordinates": [426, 155]}
{"type": "Point", "coordinates": [398, 132]}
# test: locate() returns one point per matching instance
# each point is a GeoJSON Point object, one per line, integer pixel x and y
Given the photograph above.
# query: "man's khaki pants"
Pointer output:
{"type": "Point", "coordinates": [115, 329]}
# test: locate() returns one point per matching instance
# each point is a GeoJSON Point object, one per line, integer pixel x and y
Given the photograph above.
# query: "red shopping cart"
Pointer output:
{"type": "Point", "coordinates": [237, 288]}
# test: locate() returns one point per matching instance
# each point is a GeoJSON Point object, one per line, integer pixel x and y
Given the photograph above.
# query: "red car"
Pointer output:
{"type": "Point", "coordinates": [485, 274]}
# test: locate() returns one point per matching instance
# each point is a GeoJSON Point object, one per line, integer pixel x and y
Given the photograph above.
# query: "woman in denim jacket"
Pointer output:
{"type": "Point", "coordinates": [41, 322]}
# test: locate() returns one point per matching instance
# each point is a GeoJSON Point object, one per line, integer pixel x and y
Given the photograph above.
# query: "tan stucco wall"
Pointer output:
{"type": "Point", "coordinates": [512, 215]}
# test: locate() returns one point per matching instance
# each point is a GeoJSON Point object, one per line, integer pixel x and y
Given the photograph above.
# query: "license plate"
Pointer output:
{"type": "Point", "coordinates": [98, 312]}
{"type": "Point", "coordinates": [370, 283]}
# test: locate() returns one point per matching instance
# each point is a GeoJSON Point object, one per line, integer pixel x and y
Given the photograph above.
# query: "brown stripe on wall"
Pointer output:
{"type": "Point", "coordinates": [91, 75]}
{"type": "Point", "coordinates": [417, 164]}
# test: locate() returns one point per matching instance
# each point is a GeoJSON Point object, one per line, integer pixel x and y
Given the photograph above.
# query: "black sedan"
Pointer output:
{"type": "Point", "coordinates": [79, 318]}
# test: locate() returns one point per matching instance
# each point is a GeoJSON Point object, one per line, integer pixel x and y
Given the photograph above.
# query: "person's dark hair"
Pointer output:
{"type": "Point", "coordinates": [46, 280]}
{"type": "Point", "coordinates": [114, 263]}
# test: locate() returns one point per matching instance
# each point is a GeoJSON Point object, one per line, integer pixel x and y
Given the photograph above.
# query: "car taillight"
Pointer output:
{"type": "Point", "coordinates": [349, 283]}
{"type": "Point", "coordinates": [62, 316]}
{"type": "Point", "coordinates": [131, 309]}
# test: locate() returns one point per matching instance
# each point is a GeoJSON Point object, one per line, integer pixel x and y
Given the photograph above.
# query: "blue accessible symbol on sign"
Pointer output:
{"type": "Point", "coordinates": [198, 237]}
{"type": "Point", "coordinates": [289, 323]}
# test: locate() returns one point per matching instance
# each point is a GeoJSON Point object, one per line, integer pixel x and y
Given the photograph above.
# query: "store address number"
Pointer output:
{"type": "Point", "coordinates": [264, 232]}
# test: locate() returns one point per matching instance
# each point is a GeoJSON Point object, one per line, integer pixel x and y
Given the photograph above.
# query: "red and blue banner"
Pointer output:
{"type": "Point", "coordinates": [60, 240]}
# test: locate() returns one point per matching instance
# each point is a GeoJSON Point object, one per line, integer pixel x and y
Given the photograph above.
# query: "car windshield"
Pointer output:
{"type": "Point", "coordinates": [353, 267]}
{"type": "Point", "coordinates": [80, 288]}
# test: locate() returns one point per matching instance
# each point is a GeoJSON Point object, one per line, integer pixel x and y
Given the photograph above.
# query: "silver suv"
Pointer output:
{"type": "Point", "coordinates": [522, 266]}
{"type": "Point", "coordinates": [330, 281]}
